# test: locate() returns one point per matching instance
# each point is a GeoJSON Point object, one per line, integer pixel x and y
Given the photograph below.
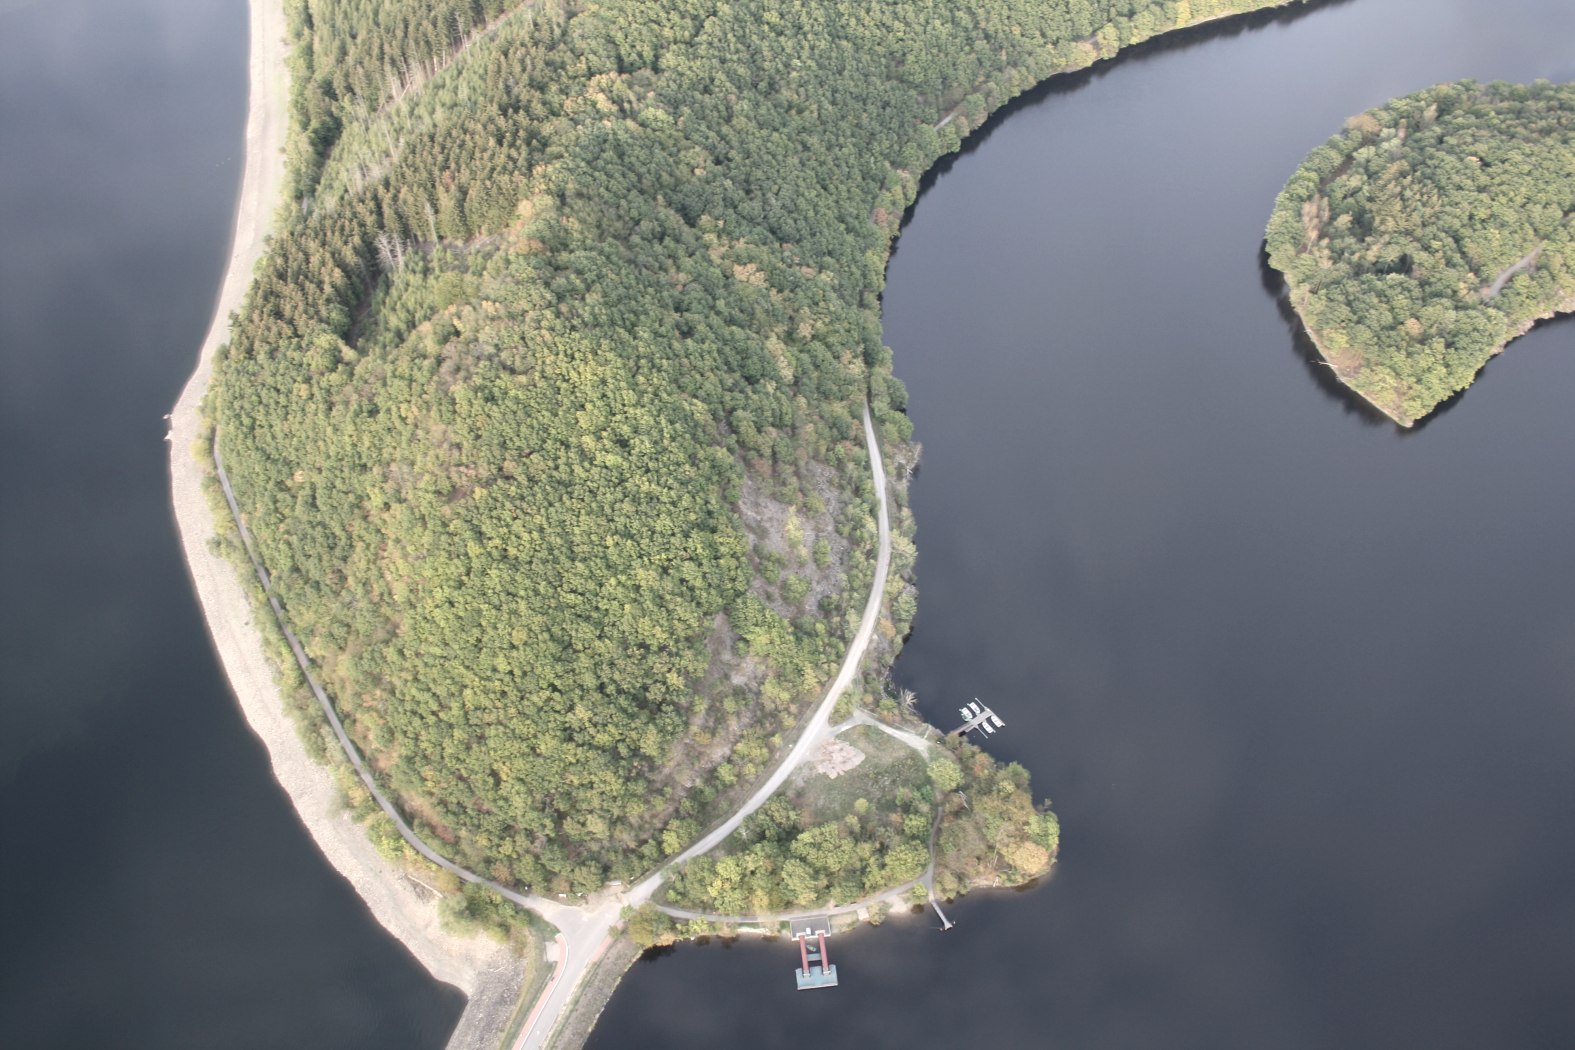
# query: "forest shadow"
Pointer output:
{"type": "Point", "coordinates": [1318, 369]}
{"type": "Point", "coordinates": [1059, 84]}
{"type": "Point", "coordinates": [1323, 376]}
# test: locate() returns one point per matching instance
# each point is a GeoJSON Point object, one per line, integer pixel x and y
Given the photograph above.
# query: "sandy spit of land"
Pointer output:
{"type": "Point", "coordinates": [477, 966]}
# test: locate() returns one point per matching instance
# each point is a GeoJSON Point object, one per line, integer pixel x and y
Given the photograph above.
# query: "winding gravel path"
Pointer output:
{"type": "Point", "coordinates": [585, 932]}
{"type": "Point", "coordinates": [482, 969]}
{"type": "Point", "coordinates": [585, 947]}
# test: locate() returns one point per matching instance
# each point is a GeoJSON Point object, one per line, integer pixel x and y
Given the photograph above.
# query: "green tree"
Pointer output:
{"type": "Point", "coordinates": [945, 775]}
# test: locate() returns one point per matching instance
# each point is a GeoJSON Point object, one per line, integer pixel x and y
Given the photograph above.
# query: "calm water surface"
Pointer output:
{"type": "Point", "coordinates": [1302, 686]}
{"type": "Point", "coordinates": [155, 888]}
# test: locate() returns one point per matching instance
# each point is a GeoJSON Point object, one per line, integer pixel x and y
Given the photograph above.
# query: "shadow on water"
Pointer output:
{"type": "Point", "coordinates": [723, 941]}
{"type": "Point", "coordinates": [1447, 405]}
{"type": "Point", "coordinates": [1323, 376]}
{"type": "Point", "coordinates": [1318, 369]}
{"type": "Point", "coordinates": [1067, 83]}
{"type": "Point", "coordinates": [1559, 321]}
{"type": "Point", "coordinates": [1455, 398]}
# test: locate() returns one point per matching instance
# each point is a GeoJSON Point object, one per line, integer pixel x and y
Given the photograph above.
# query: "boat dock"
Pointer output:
{"type": "Point", "coordinates": [976, 716]}
{"type": "Point", "coordinates": [815, 967]}
{"type": "Point", "coordinates": [946, 923]}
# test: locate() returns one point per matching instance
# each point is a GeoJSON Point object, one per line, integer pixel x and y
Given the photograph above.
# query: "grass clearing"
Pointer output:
{"type": "Point", "coordinates": [889, 766]}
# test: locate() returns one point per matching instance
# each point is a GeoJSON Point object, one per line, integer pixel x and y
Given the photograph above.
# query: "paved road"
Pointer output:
{"type": "Point", "coordinates": [583, 937]}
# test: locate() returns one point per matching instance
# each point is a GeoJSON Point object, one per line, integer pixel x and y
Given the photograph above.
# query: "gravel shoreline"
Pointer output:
{"type": "Point", "coordinates": [481, 968]}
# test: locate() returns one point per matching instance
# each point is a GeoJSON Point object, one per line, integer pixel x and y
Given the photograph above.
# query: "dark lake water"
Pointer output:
{"type": "Point", "coordinates": [156, 890]}
{"type": "Point", "coordinates": [1302, 686]}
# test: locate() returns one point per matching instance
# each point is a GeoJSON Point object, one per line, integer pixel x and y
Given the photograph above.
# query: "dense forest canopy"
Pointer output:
{"type": "Point", "coordinates": [1431, 232]}
{"type": "Point", "coordinates": [819, 844]}
{"type": "Point", "coordinates": [544, 406]}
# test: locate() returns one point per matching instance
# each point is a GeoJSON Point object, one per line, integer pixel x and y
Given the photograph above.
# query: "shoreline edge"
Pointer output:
{"type": "Point", "coordinates": [479, 967]}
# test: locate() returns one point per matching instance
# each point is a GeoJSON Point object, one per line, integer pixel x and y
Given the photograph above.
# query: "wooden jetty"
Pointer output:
{"type": "Point", "coordinates": [976, 716]}
{"type": "Point", "coordinates": [946, 923]}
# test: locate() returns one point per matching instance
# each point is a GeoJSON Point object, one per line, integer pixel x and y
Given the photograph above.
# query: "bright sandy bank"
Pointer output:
{"type": "Point", "coordinates": [478, 966]}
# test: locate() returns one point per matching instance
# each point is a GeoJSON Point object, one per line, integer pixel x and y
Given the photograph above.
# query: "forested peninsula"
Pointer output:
{"type": "Point", "coordinates": [1429, 233]}
{"type": "Point", "coordinates": [544, 407]}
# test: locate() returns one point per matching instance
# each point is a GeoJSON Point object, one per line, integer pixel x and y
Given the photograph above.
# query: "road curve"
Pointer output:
{"type": "Point", "coordinates": [817, 729]}
{"type": "Point", "coordinates": [349, 749]}
{"type": "Point", "coordinates": [584, 932]}
{"type": "Point", "coordinates": [861, 717]}
{"type": "Point", "coordinates": [591, 924]}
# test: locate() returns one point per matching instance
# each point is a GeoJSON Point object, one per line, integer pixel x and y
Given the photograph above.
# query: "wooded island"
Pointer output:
{"type": "Point", "coordinates": [1429, 233]}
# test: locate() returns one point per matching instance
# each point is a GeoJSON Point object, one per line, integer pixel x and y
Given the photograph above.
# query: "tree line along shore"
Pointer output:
{"type": "Point", "coordinates": [489, 974]}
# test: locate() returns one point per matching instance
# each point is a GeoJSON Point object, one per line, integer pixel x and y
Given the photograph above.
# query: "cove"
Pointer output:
{"type": "Point", "coordinates": [1299, 684]}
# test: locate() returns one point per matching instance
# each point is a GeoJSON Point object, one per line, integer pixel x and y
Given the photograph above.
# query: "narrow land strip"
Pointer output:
{"type": "Point", "coordinates": [557, 976]}
{"type": "Point", "coordinates": [470, 963]}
